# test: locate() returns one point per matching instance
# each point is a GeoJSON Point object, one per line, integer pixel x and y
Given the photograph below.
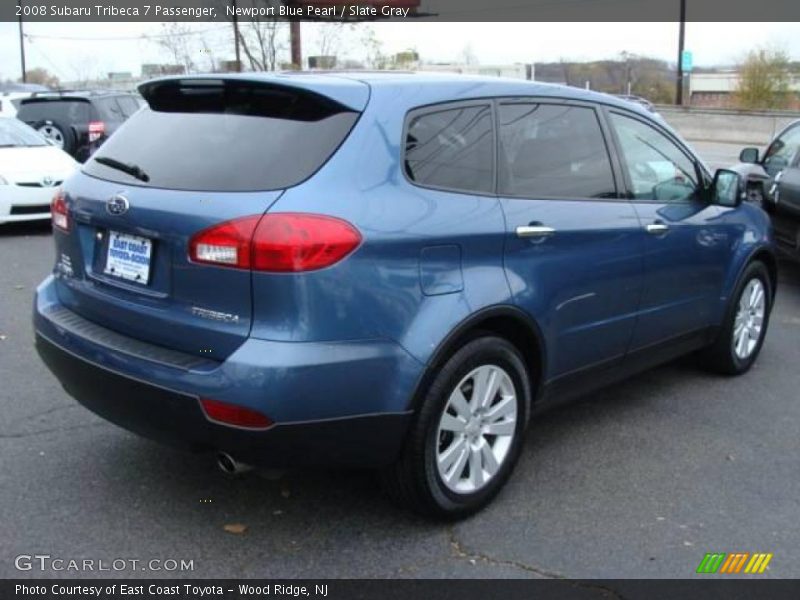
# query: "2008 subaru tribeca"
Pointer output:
{"type": "Point", "coordinates": [389, 270]}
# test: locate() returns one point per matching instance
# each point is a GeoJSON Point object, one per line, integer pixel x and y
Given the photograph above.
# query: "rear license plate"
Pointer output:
{"type": "Point", "coordinates": [128, 257]}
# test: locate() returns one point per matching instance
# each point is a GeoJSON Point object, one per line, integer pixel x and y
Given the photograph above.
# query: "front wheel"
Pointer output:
{"type": "Point", "coordinates": [745, 326]}
{"type": "Point", "coordinates": [468, 433]}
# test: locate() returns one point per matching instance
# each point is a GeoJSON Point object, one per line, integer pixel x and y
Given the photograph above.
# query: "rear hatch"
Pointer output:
{"type": "Point", "coordinates": [205, 151]}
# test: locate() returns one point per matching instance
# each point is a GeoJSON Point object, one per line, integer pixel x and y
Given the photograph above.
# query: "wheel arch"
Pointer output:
{"type": "Point", "coordinates": [770, 260]}
{"type": "Point", "coordinates": [508, 322]}
{"type": "Point", "coordinates": [761, 253]}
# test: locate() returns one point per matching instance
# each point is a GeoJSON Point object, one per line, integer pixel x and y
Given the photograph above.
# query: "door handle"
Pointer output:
{"type": "Point", "coordinates": [534, 231]}
{"type": "Point", "coordinates": [657, 228]}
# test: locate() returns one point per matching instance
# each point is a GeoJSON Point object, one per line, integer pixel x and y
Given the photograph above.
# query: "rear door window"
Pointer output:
{"type": "Point", "coordinates": [451, 149]}
{"type": "Point", "coordinates": [552, 151]}
{"type": "Point", "coordinates": [226, 135]}
{"type": "Point", "coordinates": [128, 105]}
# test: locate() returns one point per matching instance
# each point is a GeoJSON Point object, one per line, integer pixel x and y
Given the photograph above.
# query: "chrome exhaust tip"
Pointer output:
{"type": "Point", "coordinates": [230, 465]}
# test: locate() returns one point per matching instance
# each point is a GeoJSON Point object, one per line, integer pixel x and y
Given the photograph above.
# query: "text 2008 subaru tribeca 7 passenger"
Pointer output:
{"type": "Point", "coordinates": [389, 271]}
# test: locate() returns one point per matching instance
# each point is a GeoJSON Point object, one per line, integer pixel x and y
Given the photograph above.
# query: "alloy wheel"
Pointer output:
{"type": "Point", "coordinates": [52, 133]}
{"type": "Point", "coordinates": [749, 323]}
{"type": "Point", "coordinates": [476, 429]}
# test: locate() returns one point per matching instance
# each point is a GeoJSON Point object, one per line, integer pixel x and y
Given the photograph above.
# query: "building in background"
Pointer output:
{"type": "Point", "coordinates": [515, 71]}
{"type": "Point", "coordinates": [717, 89]}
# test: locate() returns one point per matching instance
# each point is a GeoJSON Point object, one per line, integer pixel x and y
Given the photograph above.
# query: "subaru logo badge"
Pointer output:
{"type": "Point", "coordinates": [117, 205]}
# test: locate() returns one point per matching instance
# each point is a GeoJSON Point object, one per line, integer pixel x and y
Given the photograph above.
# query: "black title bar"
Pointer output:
{"type": "Point", "coordinates": [734, 588]}
{"type": "Point", "coordinates": [399, 10]}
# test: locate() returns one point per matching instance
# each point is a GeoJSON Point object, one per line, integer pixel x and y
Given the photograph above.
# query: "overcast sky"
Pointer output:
{"type": "Point", "coordinates": [82, 50]}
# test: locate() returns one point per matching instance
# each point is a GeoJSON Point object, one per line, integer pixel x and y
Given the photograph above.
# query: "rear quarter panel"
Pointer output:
{"type": "Point", "coordinates": [428, 260]}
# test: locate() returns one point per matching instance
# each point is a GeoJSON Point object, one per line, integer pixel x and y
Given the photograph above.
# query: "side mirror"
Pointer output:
{"type": "Point", "coordinates": [727, 189]}
{"type": "Point", "coordinates": [749, 155]}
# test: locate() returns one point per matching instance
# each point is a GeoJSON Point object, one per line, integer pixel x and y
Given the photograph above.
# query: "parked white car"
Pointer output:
{"type": "Point", "coordinates": [9, 102]}
{"type": "Point", "coordinates": [30, 171]}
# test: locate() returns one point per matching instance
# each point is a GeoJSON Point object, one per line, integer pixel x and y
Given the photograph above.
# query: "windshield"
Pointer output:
{"type": "Point", "coordinates": [14, 133]}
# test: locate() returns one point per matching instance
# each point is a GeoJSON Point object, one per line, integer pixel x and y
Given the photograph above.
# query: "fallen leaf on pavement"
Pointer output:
{"type": "Point", "coordinates": [236, 528]}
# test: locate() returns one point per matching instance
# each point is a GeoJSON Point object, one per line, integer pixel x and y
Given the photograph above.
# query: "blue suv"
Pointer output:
{"type": "Point", "coordinates": [391, 271]}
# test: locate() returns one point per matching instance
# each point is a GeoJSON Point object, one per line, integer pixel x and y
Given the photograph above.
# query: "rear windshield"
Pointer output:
{"type": "Point", "coordinates": [64, 111]}
{"type": "Point", "coordinates": [223, 135]}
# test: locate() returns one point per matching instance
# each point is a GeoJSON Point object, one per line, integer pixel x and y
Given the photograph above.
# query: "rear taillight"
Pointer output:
{"type": "Point", "coordinates": [226, 244]}
{"type": "Point", "coordinates": [233, 414]}
{"type": "Point", "coordinates": [279, 242]}
{"type": "Point", "coordinates": [58, 211]}
{"type": "Point", "coordinates": [96, 130]}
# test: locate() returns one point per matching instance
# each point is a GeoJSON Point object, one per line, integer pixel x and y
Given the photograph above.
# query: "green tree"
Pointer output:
{"type": "Point", "coordinates": [763, 79]}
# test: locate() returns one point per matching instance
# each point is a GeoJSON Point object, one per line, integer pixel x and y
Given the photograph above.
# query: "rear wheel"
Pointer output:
{"type": "Point", "coordinates": [468, 433]}
{"type": "Point", "coordinates": [742, 333]}
{"type": "Point", "coordinates": [59, 135]}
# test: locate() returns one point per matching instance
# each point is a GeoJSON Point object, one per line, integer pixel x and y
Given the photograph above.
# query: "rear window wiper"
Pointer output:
{"type": "Point", "coordinates": [132, 170]}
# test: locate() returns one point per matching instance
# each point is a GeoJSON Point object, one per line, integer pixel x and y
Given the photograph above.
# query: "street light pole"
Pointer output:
{"type": "Point", "coordinates": [22, 45]}
{"type": "Point", "coordinates": [681, 34]}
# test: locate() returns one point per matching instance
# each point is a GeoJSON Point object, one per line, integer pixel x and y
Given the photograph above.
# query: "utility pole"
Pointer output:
{"type": "Point", "coordinates": [295, 43]}
{"type": "Point", "coordinates": [681, 34]}
{"type": "Point", "coordinates": [22, 45]}
{"type": "Point", "coordinates": [236, 37]}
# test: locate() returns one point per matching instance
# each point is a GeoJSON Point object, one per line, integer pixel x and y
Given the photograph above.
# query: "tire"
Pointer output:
{"type": "Point", "coordinates": [728, 355]}
{"type": "Point", "coordinates": [441, 434]}
{"type": "Point", "coordinates": [62, 135]}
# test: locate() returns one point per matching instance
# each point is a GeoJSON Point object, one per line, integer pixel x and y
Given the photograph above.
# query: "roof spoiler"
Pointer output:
{"type": "Point", "coordinates": [348, 94]}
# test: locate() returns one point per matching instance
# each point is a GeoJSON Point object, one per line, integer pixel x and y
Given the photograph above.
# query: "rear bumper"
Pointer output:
{"type": "Point", "coordinates": [357, 419]}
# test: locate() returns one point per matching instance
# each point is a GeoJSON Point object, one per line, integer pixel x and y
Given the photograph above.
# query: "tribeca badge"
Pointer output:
{"type": "Point", "coordinates": [735, 562]}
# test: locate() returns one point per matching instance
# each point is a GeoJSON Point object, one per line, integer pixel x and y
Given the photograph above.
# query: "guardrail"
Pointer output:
{"type": "Point", "coordinates": [755, 127]}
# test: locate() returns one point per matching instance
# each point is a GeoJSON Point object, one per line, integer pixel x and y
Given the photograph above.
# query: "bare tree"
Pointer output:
{"type": "Point", "coordinates": [177, 39]}
{"type": "Point", "coordinates": [331, 37]}
{"type": "Point", "coordinates": [85, 70]}
{"type": "Point", "coordinates": [374, 56]}
{"type": "Point", "coordinates": [262, 43]}
{"type": "Point", "coordinates": [468, 56]}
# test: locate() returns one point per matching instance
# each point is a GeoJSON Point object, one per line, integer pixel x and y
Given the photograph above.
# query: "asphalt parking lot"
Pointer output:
{"type": "Point", "coordinates": [640, 480]}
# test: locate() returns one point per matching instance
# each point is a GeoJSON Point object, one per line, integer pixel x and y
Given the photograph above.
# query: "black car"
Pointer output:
{"type": "Point", "coordinates": [78, 122]}
{"type": "Point", "coordinates": [773, 181]}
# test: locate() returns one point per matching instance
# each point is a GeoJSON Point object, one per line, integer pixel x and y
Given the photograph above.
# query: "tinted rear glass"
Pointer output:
{"type": "Point", "coordinates": [66, 111]}
{"type": "Point", "coordinates": [451, 149]}
{"type": "Point", "coordinates": [224, 135]}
